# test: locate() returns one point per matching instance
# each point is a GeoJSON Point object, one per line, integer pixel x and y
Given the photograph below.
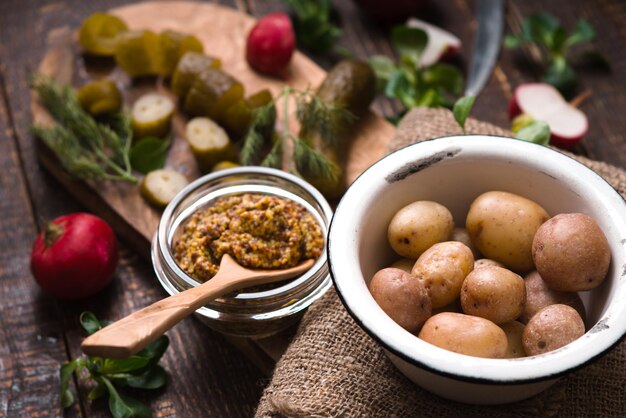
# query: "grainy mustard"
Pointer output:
{"type": "Point", "coordinates": [257, 230]}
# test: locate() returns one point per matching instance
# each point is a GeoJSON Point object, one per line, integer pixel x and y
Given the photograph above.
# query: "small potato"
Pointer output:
{"type": "Point", "coordinates": [552, 327]}
{"type": "Point", "coordinates": [514, 331]}
{"type": "Point", "coordinates": [461, 235]}
{"type": "Point", "coordinates": [442, 269]}
{"type": "Point", "coordinates": [502, 226]}
{"type": "Point", "coordinates": [405, 264]}
{"type": "Point", "coordinates": [539, 295]}
{"type": "Point", "coordinates": [486, 262]}
{"type": "Point", "coordinates": [465, 334]}
{"type": "Point", "coordinates": [571, 253]}
{"type": "Point", "coordinates": [402, 297]}
{"type": "Point", "coordinates": [493, 293]}
{"type": "Point", "coordinates": [417, 226]}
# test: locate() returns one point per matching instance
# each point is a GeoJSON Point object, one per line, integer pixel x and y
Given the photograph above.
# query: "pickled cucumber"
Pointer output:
{"type": "Point", "coordinates": [100, 97]}
{"type": "Point", "coordinates": [209, 143]}
{"type": "Point", "coordinates": [350, 84]}
{"type": "Point", "coordinates": [138, 53]}
{"type": "Point", "coordinates": [212, 93]}
{"type": "Point", "coordinates": [151, 115]}
{"type": "Point", "coordinates": [238, 117]}
{"type": "Point", "coordinates": [223, 165]}
{"type": "Point", "coordinates": [173, 45]}
{"type": "Point", "coordinates": [190, 65]}
{"type": "Point", "coordinates": [160, 186]}
{"type": "Point", "coordinates": [99, 32]}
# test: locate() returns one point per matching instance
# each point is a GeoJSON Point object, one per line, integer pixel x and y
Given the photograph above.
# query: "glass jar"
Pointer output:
{"type": "Point", "coordinates": [257, 313]}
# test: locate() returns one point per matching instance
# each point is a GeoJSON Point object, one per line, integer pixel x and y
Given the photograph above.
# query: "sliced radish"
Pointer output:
{"type": "Point", "coordinates": [441, 44]}
{"type": "Point", "coordinates": [568, 125]}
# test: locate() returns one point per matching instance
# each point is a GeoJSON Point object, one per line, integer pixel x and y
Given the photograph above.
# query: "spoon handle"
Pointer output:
{"type": "Point", "coordinates": [135, 331]}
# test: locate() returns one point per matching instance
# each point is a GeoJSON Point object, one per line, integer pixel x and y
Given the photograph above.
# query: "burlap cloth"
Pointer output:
{"type": "Point", "coordinates": [334, 369]}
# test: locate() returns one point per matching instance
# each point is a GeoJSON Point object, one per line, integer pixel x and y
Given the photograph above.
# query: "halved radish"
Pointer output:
{"type": "Point", "coordinates": [441, 44]}
{"type": "Point", "coordinates": [568, 125]}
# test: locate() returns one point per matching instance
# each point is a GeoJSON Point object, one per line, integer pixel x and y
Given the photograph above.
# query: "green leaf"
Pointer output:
{"type": "Point", "coordinates": [153, 378]}
{"type": "Point", "coordinates": [383, 68]}
{"type": "Point", "coordinates": [512, 41]}
{"type": "Point", "coordinates": [128, 364]}
{"type": "Point", "coordinates": [155, 350]}
{"type": "Point", "coordinates": [67, 398]}
{"type": "Point", "coordinates": [462, 108]}
{"type": "Point", "coordinates": [445, 76]}
{"type": "Point", "coordinates": [520, 121]}
{"type": "Point", "coordinates": [400, 87]}
{"type": "Point", "coordinates": [559, 37]}
{"type": "Point", "coordinates": [97, 392]}
{"type": "Point", "coordinates": [429, 98]}
{"type": "Point", "coordinates": [124, 406]}
{"type": "Point", "coordinates": [583, 32]}
{"type": "Point", "coordinates": [90, 323]}
{"type": "Point", "coordinates": [540, 28]}
{"type": "Point", "coordinates": [537, 132]}
{"type": "Point", "coordinates": [409, 43]}
{"type": "Point", "coordinates": [149, 154]}
{"type": "Point", "coordinates": [561, 75]}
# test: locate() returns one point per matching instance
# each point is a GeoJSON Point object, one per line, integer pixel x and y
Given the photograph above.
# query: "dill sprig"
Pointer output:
{"type": "Point", "coordinates": [86, 148]}
{"type": "Point", "coordinates": [290, 152]}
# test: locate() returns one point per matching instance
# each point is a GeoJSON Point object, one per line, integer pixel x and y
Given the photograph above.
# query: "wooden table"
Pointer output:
{"type": "Point", "coordinates": [208, 377]}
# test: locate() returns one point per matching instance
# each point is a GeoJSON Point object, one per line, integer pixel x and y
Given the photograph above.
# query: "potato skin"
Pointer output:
{"type": "Point", "coordinates": [417, 226]}
{"type": "Point", "coordinates": [571, 253]}
{"type": "Point", "coordinates": [552, 327]}
{"type": "Point", "coordinates": [401, 296]}
{"type": "Point", "coordinates": [461, 235]}
{"type": "Point", "coordinates": [465, 334]}
{"type": "Point", "coordinates": [539, 295]}
{"type": "Point", "coordinates": [494, 293]}
{"type": "Point", "coordinates": [482, 262]}
{"type": "Point", "coordinates": [442, 268]}
{"type": "Point", "coordinates": [502, 226]}
{"type": "Point", "coordinates": [405, 264]}
{"type": "Point", "coordinates": [514, 331]}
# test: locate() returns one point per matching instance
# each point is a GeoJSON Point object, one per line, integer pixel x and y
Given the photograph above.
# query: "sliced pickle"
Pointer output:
{"type": "Point", "coordinates": [152, 114]}
{"type": "Point", "coordinates": [238, 117]}
{"type": "Point", "coordinates": [160, 186]}
{"type": "Point", "coordinates": [190, 65]}
{"type": "Point", "coordinates": [138, 53]}
{"type": "Point", "coordinates": [212, 93]}
{"type": "Point", "coordinates": [100, 97]}
{"type": "Point", "coordinates": [223, 165]}
{"type": "Point", "coordinates": [209, 143]}
{"type": "Point", "coordinates": [173, 46]}
{"type": "Point", "coordinates": [99, 32]}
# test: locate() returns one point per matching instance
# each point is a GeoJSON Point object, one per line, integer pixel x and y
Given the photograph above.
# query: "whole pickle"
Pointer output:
{"type": "Point", "coordinates": [190, 65]}
{"type": "Point", "coordinates": [173, 46]}
{"type": "Point", "coordinates": [212, 93]}
{"type": "Point", "coordinates": [351, 84]}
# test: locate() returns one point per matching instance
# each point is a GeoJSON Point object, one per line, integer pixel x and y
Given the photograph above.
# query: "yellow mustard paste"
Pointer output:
{"type": "Point", "coordinates": [257, 230]}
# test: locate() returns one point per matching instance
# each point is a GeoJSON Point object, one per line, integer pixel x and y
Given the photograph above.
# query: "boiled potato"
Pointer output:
{"type": "Point", "coordinates": [514, 331]}
{"type": "Point", "coordinates": [417, 226]}
{"type": "Point", "coordinates": [571, 253]}
{"type": "Point", "coordinates": [465, 334]}
{"type": "Point", "coordinates": [402, 297]}
{"type": "Point", "coordinates": [405, 264]}
{"type": "Point", "coordinates": [442, 269]}
{"type": "Point", "coordinates": [461, 235]}
{"type": "Point", "coordinates": [502, 226]}
{"type": "Point", "coordinates": [486, 262]}
{"type": "Point", "coordinates": [539, 295]}
{"type": "Point", "coordinates": [552, 327]}
{"type": "Point", "coordinates": [493, 293]}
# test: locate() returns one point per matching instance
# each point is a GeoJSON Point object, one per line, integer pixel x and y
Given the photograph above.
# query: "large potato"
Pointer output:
{"type": "Point", "coordinates": [571, 253]}
{"type": "Point", "coordinates": [465, 334]}
{"type": "Point", "coordinates": [539, 295]}
{"type": "Point", "coordinates": [552, 327]}
{"type": "Point", "coordinates": [494, 293]}
{"type": "Point", "coordinates": [417, 226]}
{"type": "Point", "coordinates": [502, 226]}
{"type": "Point", "coordinates": [442, 269]}
{"type": "Point", "coordinates": [402, 297]}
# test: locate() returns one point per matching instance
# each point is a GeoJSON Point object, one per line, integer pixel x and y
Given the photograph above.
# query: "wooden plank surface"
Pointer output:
{"type": "Point", "coordinates": [208, 377]}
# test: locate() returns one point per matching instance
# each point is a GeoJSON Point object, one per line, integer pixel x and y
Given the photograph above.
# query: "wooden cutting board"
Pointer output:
{"type": "Point", "coordinates": [223, 32]}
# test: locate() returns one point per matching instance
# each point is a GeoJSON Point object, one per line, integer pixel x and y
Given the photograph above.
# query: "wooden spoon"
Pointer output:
{"type": "Point", "coordinates": [134, 332]}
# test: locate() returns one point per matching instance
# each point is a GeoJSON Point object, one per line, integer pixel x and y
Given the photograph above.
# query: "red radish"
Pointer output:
{"type": "Point", "coordinates": [568, 125]}
{"type": "Point", "coordinates": [74, 256]}
{"type": "Point", "coordinates": [270, 44]}
{"type": "Point", "coordinates": [441, 44]}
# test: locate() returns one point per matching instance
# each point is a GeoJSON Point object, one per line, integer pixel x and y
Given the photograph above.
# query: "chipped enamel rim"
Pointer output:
{"type": "Point", "coordinates": [551, 178]}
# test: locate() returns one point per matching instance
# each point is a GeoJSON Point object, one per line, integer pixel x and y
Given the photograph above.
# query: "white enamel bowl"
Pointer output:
{"type": "Point", "coordinates": [453, 171]}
